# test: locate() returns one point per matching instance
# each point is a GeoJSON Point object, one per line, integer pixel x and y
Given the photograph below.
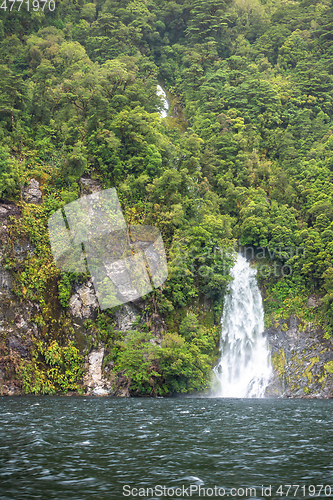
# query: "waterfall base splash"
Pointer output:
{"type": "Point", "coordinates": [244, 368]}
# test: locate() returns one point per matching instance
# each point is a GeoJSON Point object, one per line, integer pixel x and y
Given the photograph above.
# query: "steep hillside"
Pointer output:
{"type": "Point", "coordinates": [244, 158]}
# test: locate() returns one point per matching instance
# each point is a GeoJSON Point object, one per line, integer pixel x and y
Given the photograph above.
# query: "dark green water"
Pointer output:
{"type": "Point", "coordinates": [91, 448]}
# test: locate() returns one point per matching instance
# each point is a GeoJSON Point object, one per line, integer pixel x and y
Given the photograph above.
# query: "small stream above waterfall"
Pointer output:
{"type": "Point", "coordinates": [161, 93]}
{"type": "Point", "coordinates": [171, 109]}
{"type": "Point", "coordinates": [244, 368]}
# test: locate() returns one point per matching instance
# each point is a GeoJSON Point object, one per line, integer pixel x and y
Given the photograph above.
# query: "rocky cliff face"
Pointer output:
{"type": "Point", "coordinates": [18, 330]}
{"type": "Point", "coordinates": [302, 359]}
{"type": "Point", "coordinates": [16, 326]}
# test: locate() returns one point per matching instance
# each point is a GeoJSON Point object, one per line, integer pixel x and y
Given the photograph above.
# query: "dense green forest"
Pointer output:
{"type": "Point", "coordinates": [246, 158]}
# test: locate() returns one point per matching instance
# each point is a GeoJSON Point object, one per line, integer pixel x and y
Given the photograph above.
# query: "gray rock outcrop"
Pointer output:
{"type": "Point", "coordinates": [96, 384]}
{"type": "Point", "coordinates": [83, 303]}
{"type": "Point", "coordinates": [302, 359]}
{"type": "Point", "coordinates": [126, 317]}
{"type": "Point", "coordinates": [32, 193]}
{"type": "Point", "coordinates": [89, 186]}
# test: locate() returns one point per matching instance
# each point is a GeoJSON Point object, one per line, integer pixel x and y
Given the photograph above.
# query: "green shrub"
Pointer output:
{"type": "Point", "coordinates": [53, 369]}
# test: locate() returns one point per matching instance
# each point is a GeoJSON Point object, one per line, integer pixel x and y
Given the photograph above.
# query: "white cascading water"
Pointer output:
{"type": "Point", "coordinates": [160, 92]}
{"type": "Point", "coordinates": [244, 369]}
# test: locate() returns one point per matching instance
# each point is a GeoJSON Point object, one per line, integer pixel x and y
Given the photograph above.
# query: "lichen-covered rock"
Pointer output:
{"type": "Point", "coordinates": [22, 250]}
{"type": "Point", "coordinates": [96, 384]}
{"type": "Point", "coordinates": [314, 301]}
{"type": "Point", "coordinates": [102, 382]}
{"type": "Point", "coordinates": [126, 317]}
{"type": "Point", "coordinates": [32, 193]}
{"type": "Point", "coordinates": [94, 373]}
{"type": "Point", "coordinates": [302, 360]}
{"type": "Point", "coordinates": [10, 389]}
{"type": "Point", "coordinates": [6, 282]}
{"type": "Point", "coordinates": [16, 325]}
{"type": "Point", "coordinates": [16, 344]}
{"type": "Point", "coordinates": [89, 186]}
{"type": "Point", "coordinates": [6, 210]}
{"type": "Point", "coordinates": [83, 303]}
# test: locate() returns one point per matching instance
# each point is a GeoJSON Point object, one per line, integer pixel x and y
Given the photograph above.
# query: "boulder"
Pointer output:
{"type": "Point", "coordinates": [32, 193]}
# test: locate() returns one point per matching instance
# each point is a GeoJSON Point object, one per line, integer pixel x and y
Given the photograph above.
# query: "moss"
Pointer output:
{"type": "Point", "coordinates": [329, 367]}
{"type": "Point", "coordinates": [207, 318]}
{"type": "Point", "coordinates": [302, 366]}
{"type": "Point", "coordinates": [307, 372]}
{"type": "Point", "coordinates": [174, 319]}
{"type": "Point", "coordinates": [301, 326]}
{"type": "Point", "coordinates": [54, 369]}
{"type": "Point", "coordinates": [268, 321]}
{"type": "Point", "coordinates": [175, 118]}
{"type": "Point", "coordinates": [279, 362]}
{"type": "Point", "coordinates": [81, 338]}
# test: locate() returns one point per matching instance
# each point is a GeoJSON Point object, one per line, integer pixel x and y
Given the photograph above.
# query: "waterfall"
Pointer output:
{"type": "Point", "coordinates": [244, 369]}
{"type": "Point", "coordinates": [160, 92]}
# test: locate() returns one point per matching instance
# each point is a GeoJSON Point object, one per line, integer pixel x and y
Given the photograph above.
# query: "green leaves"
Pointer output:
{"type": "Point", "coordinates": [136, 362]}
{"type": "Point", "coordinates": [208, 21]}
{"type": "Point", "coordinates": [9, 175]}
{"type": "Point", "coordinates": [53, 369]}
{"type": "Point", "coordinates": [185, 365]}
{"type": "Point", "coordinates": [76, 162]}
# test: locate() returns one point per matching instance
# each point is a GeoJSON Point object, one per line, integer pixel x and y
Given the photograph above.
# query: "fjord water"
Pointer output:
{"type": "Point", "coordinates": [90, 448]}
{"type": "Point", "coordinates": [244, 368]}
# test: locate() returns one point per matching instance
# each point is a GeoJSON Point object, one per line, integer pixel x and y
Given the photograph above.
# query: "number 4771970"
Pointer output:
{"type": "Point", "coordinates": [34, 5]}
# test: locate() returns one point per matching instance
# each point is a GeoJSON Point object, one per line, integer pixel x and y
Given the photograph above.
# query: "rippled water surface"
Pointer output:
{"type": "Point", "coordinates": [90, 448]}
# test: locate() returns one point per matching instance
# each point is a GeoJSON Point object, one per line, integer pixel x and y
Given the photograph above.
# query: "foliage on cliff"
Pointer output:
{"type": "Point", "coordinates": [254, 80]}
